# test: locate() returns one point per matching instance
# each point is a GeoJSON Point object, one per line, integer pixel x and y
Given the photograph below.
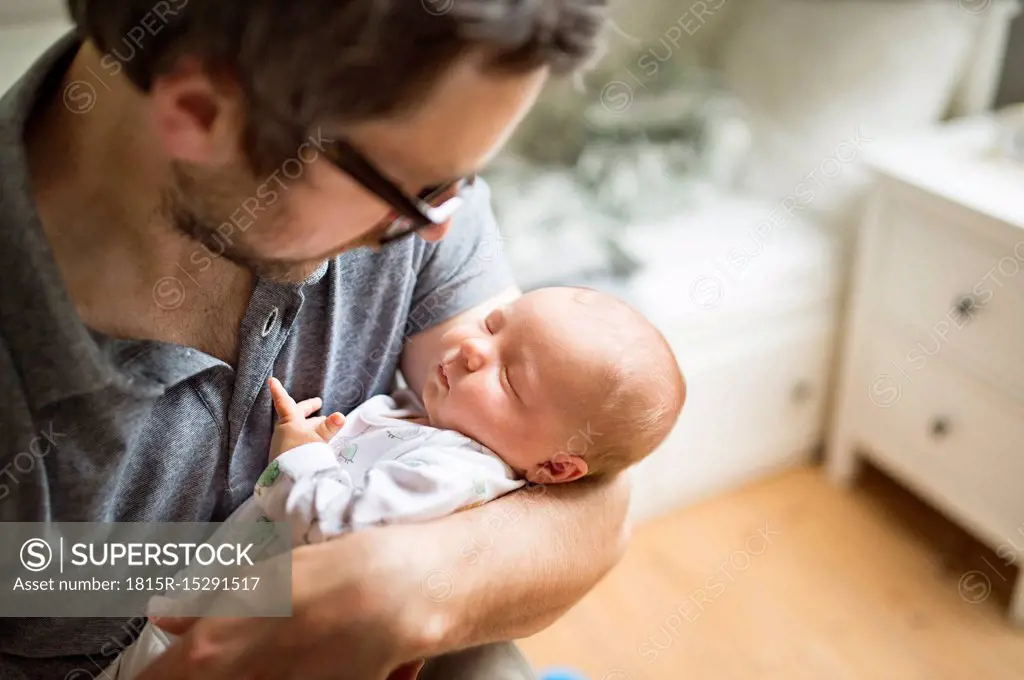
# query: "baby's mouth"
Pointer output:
{"type": "Point", "coordinates": [442, 376]}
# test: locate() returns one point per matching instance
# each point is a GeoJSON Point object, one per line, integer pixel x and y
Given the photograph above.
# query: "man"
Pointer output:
{"type": "Point", "coordinates": [200, 194]}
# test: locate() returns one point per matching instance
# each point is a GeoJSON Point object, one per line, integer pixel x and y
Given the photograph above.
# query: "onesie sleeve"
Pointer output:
{"type": "Point", "coordinates": [301, 487]}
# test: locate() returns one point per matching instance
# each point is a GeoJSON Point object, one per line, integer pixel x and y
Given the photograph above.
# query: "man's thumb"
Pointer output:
{"type": "Point", "coordinates": [175, 625]}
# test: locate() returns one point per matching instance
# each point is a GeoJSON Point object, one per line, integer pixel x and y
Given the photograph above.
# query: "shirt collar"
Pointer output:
{"type": "Point", "coordinates": [54, 353]}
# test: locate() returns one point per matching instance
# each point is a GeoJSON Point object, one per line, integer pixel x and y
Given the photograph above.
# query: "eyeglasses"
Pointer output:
{"type": "Point", "coordinates": [431, 207]}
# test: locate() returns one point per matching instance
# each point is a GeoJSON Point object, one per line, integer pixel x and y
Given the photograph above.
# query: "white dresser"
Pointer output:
{"type": "Point", "coordinates": [750, 311]}
{"type": "Point", "coordinates": [931, 387]}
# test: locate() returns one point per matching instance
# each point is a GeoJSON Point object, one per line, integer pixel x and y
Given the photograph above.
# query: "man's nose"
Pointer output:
{"type": "Point", "coordinates": [476, 354]}
{"type": "Point", "coordinates": [435, 233]}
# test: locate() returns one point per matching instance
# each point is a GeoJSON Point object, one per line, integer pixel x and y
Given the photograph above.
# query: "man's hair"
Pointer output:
{"type": "Point", "coordinates": [302, 63]}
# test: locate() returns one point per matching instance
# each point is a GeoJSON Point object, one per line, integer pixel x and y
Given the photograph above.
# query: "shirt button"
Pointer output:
{"type": "Point", "coordinates": [268, 325]}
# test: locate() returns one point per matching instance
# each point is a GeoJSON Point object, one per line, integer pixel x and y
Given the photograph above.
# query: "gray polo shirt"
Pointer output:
{"type": "Point", "coordinates": [98, 429]}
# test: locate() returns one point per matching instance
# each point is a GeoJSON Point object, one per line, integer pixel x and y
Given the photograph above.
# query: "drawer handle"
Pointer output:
{"type": "Point", "coordinates": [940, 427]}
{"type": "Point", "coordinates": [802, 391]}
{"type": "Point", "coordinates": [965, 307]}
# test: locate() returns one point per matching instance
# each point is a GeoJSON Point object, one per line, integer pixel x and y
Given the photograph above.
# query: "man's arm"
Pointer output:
{"type": "Point", "coordinates": [373, 601]}
{"type": "Point", "coordinates": [512, 567]}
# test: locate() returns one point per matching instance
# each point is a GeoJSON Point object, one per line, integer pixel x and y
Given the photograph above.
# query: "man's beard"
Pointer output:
{"type": "Point", "coordinates": [190, 206]}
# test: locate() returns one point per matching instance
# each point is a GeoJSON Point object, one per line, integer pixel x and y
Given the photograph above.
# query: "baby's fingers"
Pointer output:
{"type": "Point", "coordinates": [285, 406]}
{"type": "Point", "coordinates": [330, 425]}
{"type": "Point", "coordinates": [308, 407]}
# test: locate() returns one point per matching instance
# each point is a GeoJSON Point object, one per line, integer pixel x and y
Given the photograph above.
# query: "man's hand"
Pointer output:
{"type": "Point", "coordinates": [294, 425]}
{"type": "Point", "coordinates": [358, 613]}
{"type": "Point", "coordinates": [371, 603]}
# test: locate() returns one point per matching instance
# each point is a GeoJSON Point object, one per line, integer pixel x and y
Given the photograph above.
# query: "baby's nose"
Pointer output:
{"type": "Point", "coordinates": [475, 353]}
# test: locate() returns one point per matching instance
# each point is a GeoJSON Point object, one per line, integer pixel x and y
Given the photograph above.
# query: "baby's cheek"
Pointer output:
{"type": "Point", "coordinates": [476, 402]}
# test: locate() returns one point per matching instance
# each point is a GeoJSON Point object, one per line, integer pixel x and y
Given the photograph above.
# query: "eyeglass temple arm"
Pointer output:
{"type": "Point", "coordinates": [349, 159]}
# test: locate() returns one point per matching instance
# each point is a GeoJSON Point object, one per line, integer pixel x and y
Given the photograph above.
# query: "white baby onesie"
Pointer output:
{"type": "Point", "coordinates": [381, 468]}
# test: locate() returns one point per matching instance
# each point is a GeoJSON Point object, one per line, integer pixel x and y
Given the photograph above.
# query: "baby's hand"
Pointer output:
{"type": "Point", "coordinates": [294, 426]}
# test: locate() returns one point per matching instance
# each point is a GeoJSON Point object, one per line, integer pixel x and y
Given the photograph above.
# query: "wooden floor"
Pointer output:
{"type": "Point", "coordinates": [795, 579]}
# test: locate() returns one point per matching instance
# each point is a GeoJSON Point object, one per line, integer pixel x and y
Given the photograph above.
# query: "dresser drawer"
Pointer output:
{"type": "Point", "coordinates": [952, 292]}
{"type": "Point", "coordinates": [949, 436]}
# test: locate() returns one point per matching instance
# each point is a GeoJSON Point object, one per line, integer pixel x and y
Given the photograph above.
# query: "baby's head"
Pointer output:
{"type": "Point", "coordinates": [561, 383]}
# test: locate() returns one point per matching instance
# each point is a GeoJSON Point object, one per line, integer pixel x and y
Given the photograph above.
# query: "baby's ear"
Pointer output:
{"type": "Point", "coordinates": [562, 468]}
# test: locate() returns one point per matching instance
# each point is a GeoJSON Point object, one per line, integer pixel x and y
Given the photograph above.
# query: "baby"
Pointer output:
{"type": "Point", "coordinates": [560, 384]}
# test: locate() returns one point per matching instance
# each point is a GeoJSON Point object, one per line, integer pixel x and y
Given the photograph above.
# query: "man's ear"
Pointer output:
{"type": "Point", "coordinates": [199, 117]}
{"type": "Point", "coordinates": [560, 469]}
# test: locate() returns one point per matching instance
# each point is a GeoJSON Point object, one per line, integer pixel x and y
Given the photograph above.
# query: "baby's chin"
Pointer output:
{"type": "Point", "coordinates": [437, 416]}
{"type": "Point", "coordinates": [433, 404]}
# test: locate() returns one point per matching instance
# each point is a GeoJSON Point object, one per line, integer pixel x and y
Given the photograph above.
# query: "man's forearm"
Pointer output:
{"type": "Point", "coordinates": [510, 568]}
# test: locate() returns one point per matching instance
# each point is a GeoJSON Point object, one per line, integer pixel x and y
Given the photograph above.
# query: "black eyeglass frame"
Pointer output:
{"type": "Point", "coordinates": [414, 212]}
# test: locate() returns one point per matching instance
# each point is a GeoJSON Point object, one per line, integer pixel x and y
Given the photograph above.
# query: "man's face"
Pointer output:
{"type": "Point", "coordinates": [284, 224]}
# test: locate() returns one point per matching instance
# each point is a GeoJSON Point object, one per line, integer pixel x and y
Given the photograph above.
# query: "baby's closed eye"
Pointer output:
{"type": "Point", "coordinates": [508, 383]}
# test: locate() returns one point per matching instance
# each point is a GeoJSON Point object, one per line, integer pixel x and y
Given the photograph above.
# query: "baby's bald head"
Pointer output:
{"type": "Point", "coordinates": [620, 385]}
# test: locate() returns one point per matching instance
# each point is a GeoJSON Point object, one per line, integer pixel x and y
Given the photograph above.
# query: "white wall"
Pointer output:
{"type": "Point", "coordinates": [21, 44]}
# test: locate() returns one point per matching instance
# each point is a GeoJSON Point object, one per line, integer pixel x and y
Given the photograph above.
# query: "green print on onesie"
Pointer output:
{"type": "Point", "coordinates": [349, 452]}
{"type": "Point", "coordinates": [269, 475]}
